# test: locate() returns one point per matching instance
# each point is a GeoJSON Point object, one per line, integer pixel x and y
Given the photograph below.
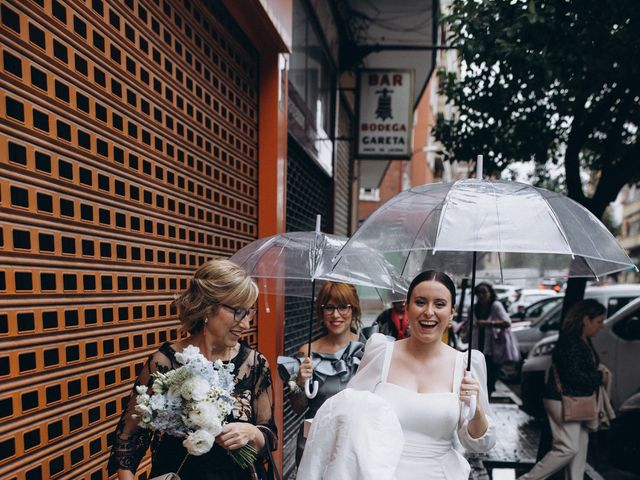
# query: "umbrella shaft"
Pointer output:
{"type": "Point", "coordinates": [471, 309]}
{"type": "Point", "coordinates": [313, 295]}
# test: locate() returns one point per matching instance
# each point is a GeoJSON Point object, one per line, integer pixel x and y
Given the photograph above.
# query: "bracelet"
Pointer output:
{"type": "Point", "coordinates": [293, 386]}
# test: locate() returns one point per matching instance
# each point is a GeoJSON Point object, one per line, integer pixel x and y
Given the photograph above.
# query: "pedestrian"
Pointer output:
{"type": "Point", "coordinates": [393, 321]}
{"type": "Point", "coordinates": [334, 357]}
{"type": "Point", "coordinates": [214, 312]}
{"type": "Point", "coordinates": [574, 372]}
{"type": "Point", "coordinates": [490, 316]}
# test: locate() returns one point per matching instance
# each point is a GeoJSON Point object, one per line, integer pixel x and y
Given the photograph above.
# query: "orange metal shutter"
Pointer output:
{"type": "Point", "coordinates": [128, 137]}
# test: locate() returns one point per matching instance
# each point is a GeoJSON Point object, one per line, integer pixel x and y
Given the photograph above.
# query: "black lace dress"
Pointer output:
{"type": "Point", "coordinates": [253, 393]}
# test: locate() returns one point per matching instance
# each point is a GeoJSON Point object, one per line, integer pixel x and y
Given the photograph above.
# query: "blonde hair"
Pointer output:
{"type": "Point", "coordinates": [216, 281]}
{"type": "Point", "coordinates": [343, 293]}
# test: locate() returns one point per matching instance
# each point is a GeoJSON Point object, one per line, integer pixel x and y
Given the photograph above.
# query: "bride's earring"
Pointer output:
{"type": "Point", "coordinates": [206, 320]}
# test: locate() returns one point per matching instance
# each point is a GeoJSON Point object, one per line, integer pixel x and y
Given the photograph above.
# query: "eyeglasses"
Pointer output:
{"type": "Point", "coordinates": [241, 313]}
{"type": "Point", "coordinates": [342, 309]}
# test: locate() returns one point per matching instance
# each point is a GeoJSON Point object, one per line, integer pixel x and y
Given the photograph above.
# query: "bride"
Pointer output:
{"type": "Point", "coordinates": [421, 381]}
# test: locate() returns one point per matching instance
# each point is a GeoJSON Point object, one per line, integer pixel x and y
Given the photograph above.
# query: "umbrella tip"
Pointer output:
{"type": "Point", "coordinates": [479, 167]}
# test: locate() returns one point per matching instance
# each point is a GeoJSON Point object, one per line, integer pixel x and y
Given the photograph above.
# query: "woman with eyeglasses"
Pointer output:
{"type": "Point", "coordinates": [334, 357]}
{"type": "Point", "coordinates": [214, 311]}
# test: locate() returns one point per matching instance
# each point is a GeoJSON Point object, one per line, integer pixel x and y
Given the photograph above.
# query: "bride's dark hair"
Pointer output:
{"type": "Point", "coordinates": [435, 276]}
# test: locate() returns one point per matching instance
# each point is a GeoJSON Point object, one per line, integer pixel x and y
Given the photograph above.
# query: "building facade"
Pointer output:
{"type": "Point", "coordinates": [138, 139]}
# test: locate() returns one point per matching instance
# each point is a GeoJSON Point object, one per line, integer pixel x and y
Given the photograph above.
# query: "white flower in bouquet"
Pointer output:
{"type": "Point", "coordinates": [158, 402]}
{"type": "Point", "coordinates": [195, 388]}
{"type": "Point", "coordinates": [159, 385]}
{"type": "Point", "coordinates": [192, 402]}
{"type": "Point", "coordinates": [174, 399]}
{"type": "Point", "coordinates": [198, 442]}
{"type": "Point", "coordinates": [208, 416]}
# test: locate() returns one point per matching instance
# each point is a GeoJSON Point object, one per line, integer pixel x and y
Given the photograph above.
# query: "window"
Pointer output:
{"type": "Point", "coordinates": [616, 303]}
{"type": "Point", "coordinates": [628, 328]}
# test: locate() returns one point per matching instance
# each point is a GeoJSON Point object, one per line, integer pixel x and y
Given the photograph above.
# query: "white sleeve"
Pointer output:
{"type": "Point", "coordinates": [499, 313]}
{"type": "Point", "coordinates": [369, 372]}
{"type": "Point", "coordinates": [488, 440]}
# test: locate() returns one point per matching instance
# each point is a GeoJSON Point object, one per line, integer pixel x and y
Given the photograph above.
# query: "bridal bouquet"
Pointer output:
{"type": "Point", "coordinates": [192, 402]}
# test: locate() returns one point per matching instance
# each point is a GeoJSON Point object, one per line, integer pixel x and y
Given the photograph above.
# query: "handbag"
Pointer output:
{"type": "Point", "coordinates": [576, 409]}
{"type": "Point", "coordinates": [505, 347]}
{"type": "Point", "coordinates": [171, 475]}
{"type": "Point", "coordinates": [272, 473]}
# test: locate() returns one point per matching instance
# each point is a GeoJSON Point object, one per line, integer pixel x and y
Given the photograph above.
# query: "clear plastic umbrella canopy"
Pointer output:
{"type": "Point", "coordinates": [299, 258]}
{"type": "Point", "coordinates": [292, 264]}
{"type": "Point", "coordinates": [518, 231]}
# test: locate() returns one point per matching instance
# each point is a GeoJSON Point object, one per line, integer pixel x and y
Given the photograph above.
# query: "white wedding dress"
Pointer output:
{"type": "Point", "coordinates": [421, 430]}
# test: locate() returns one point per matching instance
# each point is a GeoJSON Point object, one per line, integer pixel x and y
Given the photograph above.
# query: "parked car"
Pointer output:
{"type": "Point", "coordinates": [507, 294]}
{"type": "Point", "coordinates": [618, 345]}
{"type": "Point", "coordinates": [623, 439]}
{"type": "Point", "coordinates": [552, 284]}
{"type": "Point", "coordinates": [527, 296]}
{"type": "Point", "coordinates": [534, 311]}
{"type": "Point", "coordinates": [613, 297]}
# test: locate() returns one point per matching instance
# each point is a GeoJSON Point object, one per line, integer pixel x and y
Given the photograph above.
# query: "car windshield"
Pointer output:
{"type": "Point", "coordinates": [541, 307]}
{"type": "Point", "coordinates": [554, 311]}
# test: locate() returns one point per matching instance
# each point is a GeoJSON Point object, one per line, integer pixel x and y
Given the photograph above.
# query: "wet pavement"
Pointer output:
{"type": "Point", "coordinates": [517, 440]}
{"type": "Point", "coordinates": [517, 445]}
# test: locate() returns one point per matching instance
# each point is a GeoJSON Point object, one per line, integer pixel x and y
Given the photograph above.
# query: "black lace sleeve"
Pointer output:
{"type": "Point", "coordinates": [131, 442]}
{"type": "Point", "coordinates": [263, 400]}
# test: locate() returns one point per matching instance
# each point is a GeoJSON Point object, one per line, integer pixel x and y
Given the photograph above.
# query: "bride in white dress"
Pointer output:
{"type": "Point", "coordinates": [422, 381]}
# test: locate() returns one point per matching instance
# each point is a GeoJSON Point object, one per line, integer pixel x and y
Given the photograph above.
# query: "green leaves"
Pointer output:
{"type": "Point", "coordinates": [542, 80]}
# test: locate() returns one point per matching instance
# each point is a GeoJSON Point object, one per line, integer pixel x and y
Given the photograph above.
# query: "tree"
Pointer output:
{"type": "Point", "coordinates": [548, 81]}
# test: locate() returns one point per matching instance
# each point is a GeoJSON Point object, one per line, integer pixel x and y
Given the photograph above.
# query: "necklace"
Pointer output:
{"type": "Point", "coordinates": [230, 353]}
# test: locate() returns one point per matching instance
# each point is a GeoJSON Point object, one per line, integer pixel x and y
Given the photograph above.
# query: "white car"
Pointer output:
{"type": "Point", "coordinates": [527, 296]}
{"type": "Point", "coordinates": [618, 345]}
{"type": "Point", "coordinates": [507, 294]}
{"type": "Point", "coordinates": [613, 297]}
{"type": "Point", "coordinates": [536, 310]}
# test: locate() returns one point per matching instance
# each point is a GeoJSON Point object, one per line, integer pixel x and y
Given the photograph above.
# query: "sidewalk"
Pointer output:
{"type": "Point", "coordinates": [517, 445]}
{"type": "Point", "coordinates": [518, 436]}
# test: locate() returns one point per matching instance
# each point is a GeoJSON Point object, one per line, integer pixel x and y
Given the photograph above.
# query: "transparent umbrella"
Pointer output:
{"type": "Point", "coordinates": [440, 226]}
{"type": "Point", "coordinates": [302, 259]}
{"type": "Point", "coordinates": [447, 226]}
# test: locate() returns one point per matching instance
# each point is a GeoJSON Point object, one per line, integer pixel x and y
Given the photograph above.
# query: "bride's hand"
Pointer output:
{"type": "Point", "coordinates": [469, 387]}
{"type": "Point", "coordinates": [237, 434]}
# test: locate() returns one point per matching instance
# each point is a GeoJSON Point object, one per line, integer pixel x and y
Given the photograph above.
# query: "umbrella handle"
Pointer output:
{"type": "Point", "coordinates": [469, 409]}
{"type": "Point", "coordinates": [310, 393]}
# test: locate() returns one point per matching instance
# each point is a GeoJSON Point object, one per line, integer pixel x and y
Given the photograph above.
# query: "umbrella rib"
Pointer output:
{"type": "Point", "coordinates": [556, 220]}
{"type": "Point", "coordinates": [493, 188]}
{"type": "Point", "coordinates": [280, 253]}
{"type": "Point", "coordinates": [385, 206]}
{"type": "Point", "coordinates": [406, 260]}
{"type": "Point", "coordinates": [442, 214]}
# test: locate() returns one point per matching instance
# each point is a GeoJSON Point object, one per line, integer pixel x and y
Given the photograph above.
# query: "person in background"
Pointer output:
{"type": "Point", "coordinates": [575, 362]}
{"type": "Point", "coordinates": [393, 321]}
{"type": "Point", "coordinates": [489, 314]}
{"type": "Point", "coordinates": [214, 311]}
{"type": "Point", "coordinates": [334, 357]}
